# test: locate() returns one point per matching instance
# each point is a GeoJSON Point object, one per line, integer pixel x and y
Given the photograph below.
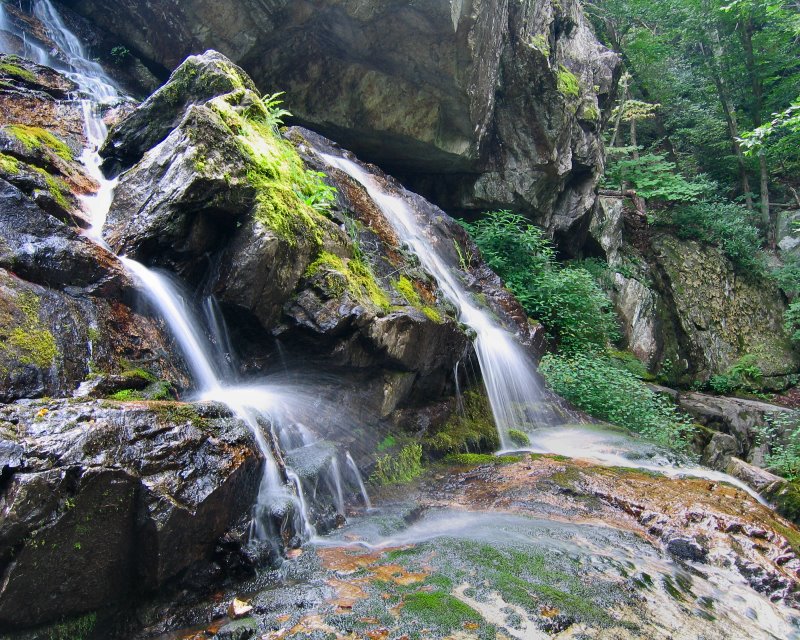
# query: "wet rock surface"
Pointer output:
{"type": "Point", "coordinates": [533, 547]}
{"type": "Point", "coordinates": [114, 499]}
{"type": "Point", "coordinates": [687, 312]}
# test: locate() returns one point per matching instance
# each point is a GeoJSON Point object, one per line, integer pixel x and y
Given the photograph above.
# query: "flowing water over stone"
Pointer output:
{"type": "Point", "coordinates": [511, 381]}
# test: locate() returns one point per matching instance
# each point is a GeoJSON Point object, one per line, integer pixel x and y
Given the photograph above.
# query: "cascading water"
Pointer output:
{"type": "Point", "coordinates": [508, 373]}
{"type": "Point", "coordinates": [510, 377]}
{"type": "Point", "coordinates": [359, 480]}
{"type": "Point", "coordinates": [253, 405]}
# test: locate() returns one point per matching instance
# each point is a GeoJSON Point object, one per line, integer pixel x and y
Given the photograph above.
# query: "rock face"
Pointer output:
{"type": "Point", "coordinates": [480, 105]}
{"type": "Point", "coordinates": [737, 421]}
{"type": "Point", "coordinates": [329, 279]}
{"type": "Point", "coordinates": [686, 311]}
{"type": "Point", "coordinates": [86, 493]}
{"type": "Point", "coordinates": [66, 304]}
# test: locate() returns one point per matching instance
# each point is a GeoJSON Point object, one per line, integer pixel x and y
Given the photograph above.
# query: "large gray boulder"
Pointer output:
{"type": "Point", "coordinates": [479, 105]}
{"type": "Point", "coordinates": [113, 500]}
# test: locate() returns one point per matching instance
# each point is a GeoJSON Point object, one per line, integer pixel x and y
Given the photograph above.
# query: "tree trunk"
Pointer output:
{"type": "Point", "coordinates": [712, 56]}
{"type": "Point", "coordinates": [746, 30]}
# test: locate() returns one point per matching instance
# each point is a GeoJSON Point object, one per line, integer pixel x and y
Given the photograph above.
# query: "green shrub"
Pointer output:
{"type": "Point", "coordinates": [782, 435]}
{"type": "Point", "coordinates": [654, 177]}
{"type": "Point", "coordinates": [726, 225]}
{"type": "Point", "coordinates": [791, 319]}
{"type": "Point", "coordinates": [565, 299]}
{"type": "Point", "coordinates": [602, 389]}
{"type": "Point", "coordinates": [519, 438]}
{"type": "Point", "coordinates": [399, 468]}
{"type": "Point", "coordinates": [743, 375]}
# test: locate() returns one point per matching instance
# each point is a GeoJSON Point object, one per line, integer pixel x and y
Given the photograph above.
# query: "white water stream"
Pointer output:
{"type": "Point", "coordinates": [509, 376]}
{"type": "Point", "coordinates": [260, 407]}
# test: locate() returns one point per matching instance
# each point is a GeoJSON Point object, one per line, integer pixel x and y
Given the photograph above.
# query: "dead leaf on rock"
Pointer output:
{"type": "Point", "coordinates": [238, 609]}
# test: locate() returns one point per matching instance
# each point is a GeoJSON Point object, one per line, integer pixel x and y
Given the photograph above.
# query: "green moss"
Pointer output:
{"type": "Point", "coordinates": [353, 276]}
{"type": "Point", "coordinates": [476, 459]}
{"type": "Point", "coordinates": [55, 187]}
{"type": "Point", "coordinates": [9, 164]}
{"type": "Point", "coordinates": [126, 395]}
{"type": "Point", "coordinates": [400, 468]}
{"type": "Point", "coordinates": [519, 438]}
{"type": "Point", "coordinates": [470, 431]}
{"type": "Point", "coordinates": [16, 71]}
{"type": "Point", "coordinates": [139, 374]}
{"type": "Point", "coordinates": [405, 287]}
{"type": "Point", "coordinates": [528, 579]}
{"type": "Point", "coordinates": [387, 443]}
{"type": "Point", "coordinates": [541, 43]}
{"type": "Point", "coordinates": [289, 198]}
{"type": "Point", "coordinates": [35, 346]}
{"type": "Point", "coordinates": [75, 629]}
{"type": "Point", "coordinates": [177, 413]}
{"type": "Point", "coordinates": [591, 113]}
{"type": "Point", "coordinates": [29, 342]}
{"type": "Point", "coordinates": [567, 82]}
{"type": "Point", "coordinates": [36, 138]}
{"type": "Point", "coordinates": [440, 610]}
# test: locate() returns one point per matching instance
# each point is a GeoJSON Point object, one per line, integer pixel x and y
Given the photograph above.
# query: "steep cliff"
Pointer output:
{"type": "Point", "coordinates": [685, 309]}
{"type": "Point", "coordinates": [480, 105]}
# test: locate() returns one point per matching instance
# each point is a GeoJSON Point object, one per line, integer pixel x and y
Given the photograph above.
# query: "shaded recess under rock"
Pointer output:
{"type": "Point", "coordinates": [466, 100]}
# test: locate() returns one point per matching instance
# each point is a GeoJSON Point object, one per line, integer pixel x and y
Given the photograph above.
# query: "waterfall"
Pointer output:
{"type": "Point", "coordinates": [509, 375]}
{"type": "Point", "coordinates": [357, 475]}
{"type": "Point", "coordinates": [250, 404]}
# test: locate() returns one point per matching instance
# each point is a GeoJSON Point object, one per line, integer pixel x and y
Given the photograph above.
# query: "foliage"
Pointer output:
{"type": "Point", "coordinates": [73, 629]}
{"type": "Point", "coordinates": [567, 83]}
{"type": "Point", "coordinates": [652, 176]}
{"type": "Point", "coordinates": [565, 299]}
{"type": "Point", "coordinates": [630, 363]}
{"type": "Point", "coordinates": [519, 438]}
{"type": "Point", "coordinates": [469, 431]}
{"type": "Point", "coordinates": [399, 468]}
{"type": "Point", "coordinates": [782, 435]}
{"type": "Point", "coordinates": [289, 197]}
{"type": "Point", "coordinates": [717, 68]}
{"type": "Point", "coordinates": [791, 320]}
{"type": "Point", "coordinates": [602, 389]}
{"type": "Point", "coordinates": [119, 54]}
{"type": "Point", "coordinates": [787, 276]}
{"type": "Point", "coordinates": [723, 224]}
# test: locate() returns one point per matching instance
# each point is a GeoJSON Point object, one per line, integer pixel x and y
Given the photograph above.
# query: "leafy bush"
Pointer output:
{"type": "Point", "coordinates": [782, 435]}
{"type": "Point", "coordinates": [726, 225]}
{"type": "Point", "coordinates": [602, 389]}
{"type": "Point", "coordinates": [654, 177]}
{"type": "Point", "coordinates": [792, 320]}
{"type": "Point", "coordinates": [565, 299]}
